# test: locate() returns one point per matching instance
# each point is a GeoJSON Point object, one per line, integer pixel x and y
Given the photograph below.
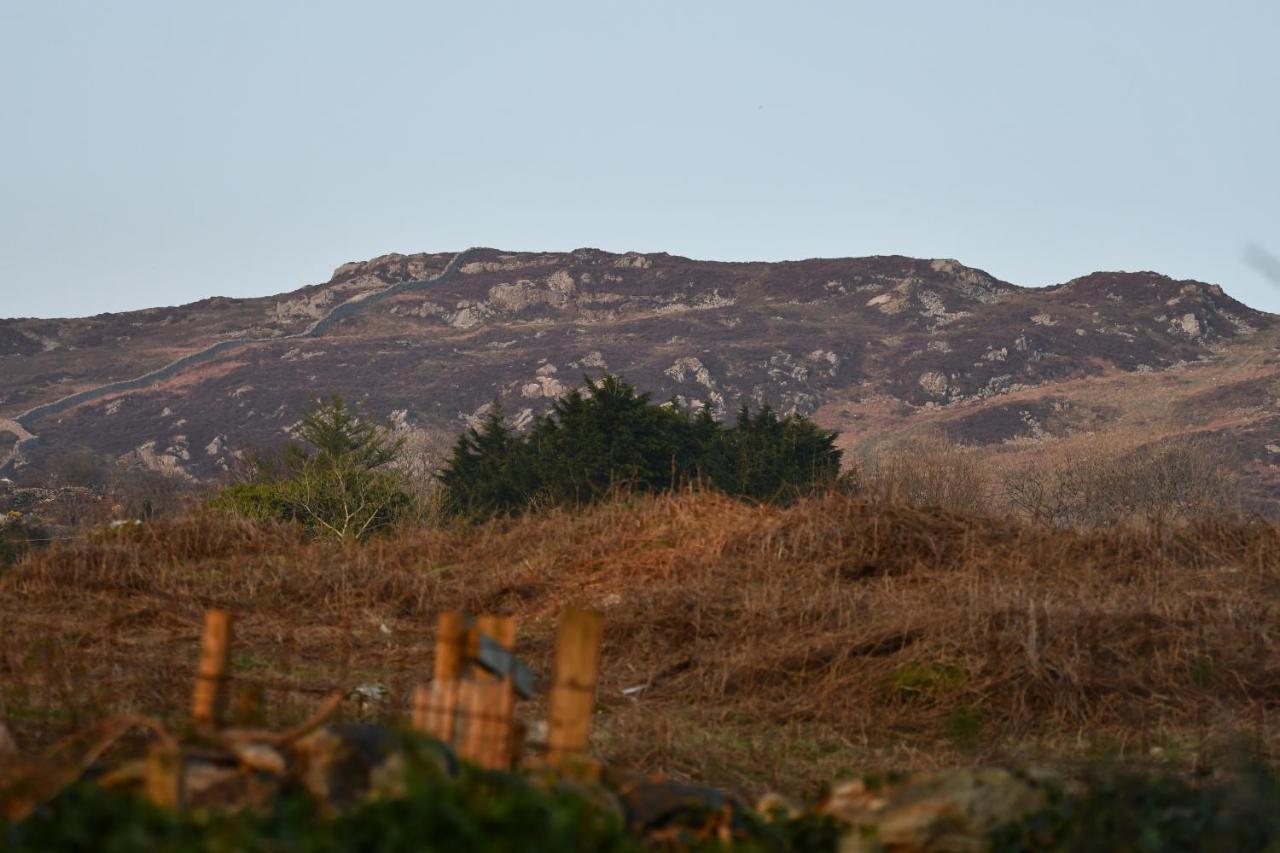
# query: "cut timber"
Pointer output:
{"type": "Point", "coordinates": [211, 677]}
{"type": "Point", "coordinates": [574, 689]}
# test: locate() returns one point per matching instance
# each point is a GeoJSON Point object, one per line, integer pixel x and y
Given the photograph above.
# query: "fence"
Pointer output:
{"type": "Point", "coordinates": [470, 701]}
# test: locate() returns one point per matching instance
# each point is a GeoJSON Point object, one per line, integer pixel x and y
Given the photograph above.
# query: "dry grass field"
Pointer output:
{"type": "Point", "coordinates": [773, 648]}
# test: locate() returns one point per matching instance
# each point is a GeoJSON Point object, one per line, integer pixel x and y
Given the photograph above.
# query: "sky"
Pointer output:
{"type": "Point", "coordinates": [155, 153]}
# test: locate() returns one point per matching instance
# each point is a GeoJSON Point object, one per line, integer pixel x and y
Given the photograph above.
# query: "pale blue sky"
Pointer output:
{"type": "Point", "coordinates": [158, 152]}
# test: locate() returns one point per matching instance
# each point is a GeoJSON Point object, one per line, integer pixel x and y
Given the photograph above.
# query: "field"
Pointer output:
{"type": "Point", "coordinates": [760, 648]}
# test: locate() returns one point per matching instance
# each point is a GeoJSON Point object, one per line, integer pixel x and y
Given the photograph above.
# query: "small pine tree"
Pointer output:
{"type": "Point", "coordinates": [335, 432]}
{"type": "Point", "coordinates": [337, 484]}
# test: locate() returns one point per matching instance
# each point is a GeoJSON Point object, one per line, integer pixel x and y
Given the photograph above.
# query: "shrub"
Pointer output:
{"type": "Point", "coordinates": [606, 436]}
{"type": "Point", "coordinates": [1130, 812]}
{"type": "Point", "coordinates": [338, 484]}
{"type": "Point", "coordinates": [479, 810]}
{"type": "Point", "coordinates": [930, 472]}
{"type": "Point", "coordinates": [774, 459]}
{"type": "Point", "coordinates": [490, 472]}
{"type": "Point", "coordinates": [1167, 483]}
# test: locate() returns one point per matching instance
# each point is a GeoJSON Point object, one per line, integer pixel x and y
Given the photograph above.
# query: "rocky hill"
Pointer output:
{"type": "Point", "coordinates": [874, 347]}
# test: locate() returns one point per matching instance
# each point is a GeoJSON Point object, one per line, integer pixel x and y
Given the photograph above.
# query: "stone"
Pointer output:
{"type": "Point", "coordinates": [259, 757]}
{"type": "Point", "coordinates": [952, 810]}
{"type": "Point", "coordinates": [341, 766]}
{"type": "Point", "coordinates": [652, 804]}
{"type": "Point", "coordinates": [934, 382]}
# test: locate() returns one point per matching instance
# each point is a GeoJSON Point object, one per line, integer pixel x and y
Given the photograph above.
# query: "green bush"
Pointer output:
{"type": "Point", "coordinates": [606, 436]}
{"type": "Point", "coordinates": [338, 484]}
{"type": "Point", "coordinates": [1136, 813]}
{"type": "Point", "coordinates": [480, 810]}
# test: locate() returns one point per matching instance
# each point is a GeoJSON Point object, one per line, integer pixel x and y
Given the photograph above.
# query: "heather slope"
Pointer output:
{"type": "Point", "coordinates": [872, 346]}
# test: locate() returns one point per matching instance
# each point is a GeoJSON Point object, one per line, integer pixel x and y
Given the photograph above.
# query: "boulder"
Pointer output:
{"type": "Point", "coordinates": [343, 765]}
{"type": "Point", "coordinates": [680, 813]}
{"type": "Point", "coordinates": [953, 810]}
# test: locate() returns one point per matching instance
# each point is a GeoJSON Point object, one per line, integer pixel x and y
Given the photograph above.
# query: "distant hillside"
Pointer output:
{"type": "Point", "coordinates": [873, 347]}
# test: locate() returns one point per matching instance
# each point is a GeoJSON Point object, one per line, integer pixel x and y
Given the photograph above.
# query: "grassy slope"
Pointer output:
{"type": "Point", "coordinates": [778, 647]}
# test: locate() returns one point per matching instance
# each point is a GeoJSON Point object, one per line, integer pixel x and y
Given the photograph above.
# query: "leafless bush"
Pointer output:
{"type": "Point", "coordinates": [145, 494]}
{"type": "Point", "coordinates": [1148, 485]}
{"type": "Point", "coordinates": [80, 466]}
{"type": "Point", "coordinates": [929, 472]}
{"type": "Point", "coordinates": [422, 455]}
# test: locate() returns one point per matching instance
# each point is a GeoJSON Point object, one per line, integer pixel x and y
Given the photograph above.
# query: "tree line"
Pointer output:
{"type": "Point", "coordinates": [603, 437]}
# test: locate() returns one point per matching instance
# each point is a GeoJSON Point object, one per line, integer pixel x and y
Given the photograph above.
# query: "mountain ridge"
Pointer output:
{"type": "Point", "coordinates": [431, 339]}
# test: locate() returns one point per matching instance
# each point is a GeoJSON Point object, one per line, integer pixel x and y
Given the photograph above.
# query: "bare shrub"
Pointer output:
{"type": "Point", "coordinates": [1158, 484]}
{"type": "Point", "coordinates": [148, 495]}
{"type": "Point", "coordinates": [929, 472]}
{"type": "Point", "coordinates": [80, 466]}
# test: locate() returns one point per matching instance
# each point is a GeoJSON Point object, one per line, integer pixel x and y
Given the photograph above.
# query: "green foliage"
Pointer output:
{"type": "Point", "coordinates": [337, 484]}
{"type": "Point", "coordinates": [490, 472]}
{"type": "Point", "coordinates": [1133, 813]}
{"type": "Point", "coordinates": [606, 436]}
{"type": "Point", "coordinates": [928, 680]}
{"type": "Point", "coordinates": [588, 445]}
{"type": "Point", "coordinates": [775, 459]}
{"type": "Point", "coordinates": [963, 725]}
{"type": "Point", "coordinates": [480, 810]}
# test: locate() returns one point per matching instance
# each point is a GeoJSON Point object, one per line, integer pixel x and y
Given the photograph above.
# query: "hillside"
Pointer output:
{"type": "Point", "coordinates": [753, 647]}
{"type": "Point", "coordinates": [874, 347]}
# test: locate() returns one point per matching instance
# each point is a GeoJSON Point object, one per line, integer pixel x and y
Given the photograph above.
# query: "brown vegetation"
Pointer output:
{"type": "Point", "coordinates": [773, 647]}
{"type": "Point", "coordinates": [1101, 483]}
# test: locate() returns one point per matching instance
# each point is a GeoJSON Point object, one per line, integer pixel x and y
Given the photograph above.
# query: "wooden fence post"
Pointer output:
{"type": "Point", "coordinates": [573, 690]}
{"type": "Point", "coordinates": [211, 677]}
{"type": "Point", "coordinates": [435, 706]}
{"type": "Point", "coordinates": [488, 701]}
{"type": "Point", "coordinates": [163, 777]}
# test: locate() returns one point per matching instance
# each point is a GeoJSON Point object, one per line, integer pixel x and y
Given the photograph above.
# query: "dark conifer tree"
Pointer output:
{"type": "Point", "coordinates": [605, 436]}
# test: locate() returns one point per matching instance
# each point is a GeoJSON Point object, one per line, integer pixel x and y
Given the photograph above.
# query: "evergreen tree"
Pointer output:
{"type": "Point", "coordinates": [490, 471]}
{"type": "Point", "coordinates": [609, 437]}
{"type": "Point", "coordinates": [606, 435]}
{"type": "Point", "coordinates": [337, 484]}
{"type": "Point", "coordinates": [777, 459]}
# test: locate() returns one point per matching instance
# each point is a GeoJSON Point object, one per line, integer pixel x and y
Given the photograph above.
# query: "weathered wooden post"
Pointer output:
{"type": "Point", "coordinates": [573, 690]}
{"type": "Point", "coordinates": [435, 705]}
{"type": "Point", "coordinates": [489, 700]}
{"type": "Point", "coordinates": [163, 776]}
{"type": "Point", "coordinates": [211, 676]}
